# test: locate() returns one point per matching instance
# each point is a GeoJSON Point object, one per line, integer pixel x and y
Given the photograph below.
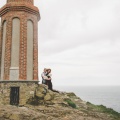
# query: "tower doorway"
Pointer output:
{"type": "Point", "coordinates": [14, 95]}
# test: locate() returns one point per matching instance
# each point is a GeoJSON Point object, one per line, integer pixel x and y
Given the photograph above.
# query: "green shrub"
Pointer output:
{"type": "Point", "coordinates": [70, 103]}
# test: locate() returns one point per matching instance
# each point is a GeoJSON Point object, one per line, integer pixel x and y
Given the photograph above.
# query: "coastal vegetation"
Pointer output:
{"type": "Point", "coordinates": [48, 105]}
{"type": "Point", "coordinates": [103, 109]}
{"type": "Point", "coordinates": [70, 103]}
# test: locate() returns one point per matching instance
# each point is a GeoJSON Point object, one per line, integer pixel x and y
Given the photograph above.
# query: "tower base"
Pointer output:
{"type": "Point", "coordinates": [16, 92]}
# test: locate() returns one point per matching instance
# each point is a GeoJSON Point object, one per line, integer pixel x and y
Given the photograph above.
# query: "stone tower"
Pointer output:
{"type": "Point", "coordinates": [18, 48]}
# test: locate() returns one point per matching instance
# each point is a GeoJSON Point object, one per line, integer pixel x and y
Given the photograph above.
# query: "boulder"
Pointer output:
{"type": "Point", "coordinates": [48, 97]}
{"type": "Point", "coordinates": [41, 91]}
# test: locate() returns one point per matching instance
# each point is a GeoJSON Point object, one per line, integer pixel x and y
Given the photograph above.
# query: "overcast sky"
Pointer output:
{"type": "Point", "coordinates": [80, 41]}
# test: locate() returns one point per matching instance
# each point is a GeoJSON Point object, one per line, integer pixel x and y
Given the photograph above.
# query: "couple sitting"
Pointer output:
{"type": "Point", "coordinates": [46, 79]}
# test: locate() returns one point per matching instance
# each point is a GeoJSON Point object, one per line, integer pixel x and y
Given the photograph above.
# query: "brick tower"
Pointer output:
{"type": "Point", "coordinates": [18, 48]}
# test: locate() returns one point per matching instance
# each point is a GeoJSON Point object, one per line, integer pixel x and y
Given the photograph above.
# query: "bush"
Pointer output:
{"type": "Point", "coordinates": [70, 103]}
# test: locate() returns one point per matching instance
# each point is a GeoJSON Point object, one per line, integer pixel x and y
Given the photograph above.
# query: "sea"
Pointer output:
{"type": "Point", "coordinates": [108, 96]}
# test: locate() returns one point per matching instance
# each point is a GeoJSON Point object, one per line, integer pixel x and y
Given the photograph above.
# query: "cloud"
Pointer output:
{"type": "Point", "coordinates": [71, 23]}
{"type": "Point", "coordinates": [92, 63]}
{"type": "Point", "coordinates": [80, 41]}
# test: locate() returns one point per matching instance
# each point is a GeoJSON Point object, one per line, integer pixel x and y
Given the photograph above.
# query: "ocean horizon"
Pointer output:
{"type": "Point", "coordinates": [108, 96]}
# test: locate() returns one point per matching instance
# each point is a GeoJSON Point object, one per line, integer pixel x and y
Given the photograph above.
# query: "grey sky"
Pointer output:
{"type": "Point", "coordinates": [80, 41]}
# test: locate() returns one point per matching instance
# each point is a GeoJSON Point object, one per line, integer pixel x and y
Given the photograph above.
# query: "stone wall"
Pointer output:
{"type": "Point", "coordinates": [26, 91]}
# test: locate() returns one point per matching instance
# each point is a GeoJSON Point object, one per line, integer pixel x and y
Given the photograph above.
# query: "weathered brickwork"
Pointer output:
{"type": "Point", "coordinates": [8, 49]}
{"type": "Point", "coordinates": [23, 47]}
{"type": "Point", "coordinates": [20, 6]}
{"type": "Point", "coordinates": [24, 14]}
{"type": "Point", "coordinates": [28, 1]}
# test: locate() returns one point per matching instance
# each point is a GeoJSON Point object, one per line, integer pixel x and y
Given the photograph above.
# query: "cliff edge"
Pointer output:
{"type": "Point", "coordinates": [48, 105]}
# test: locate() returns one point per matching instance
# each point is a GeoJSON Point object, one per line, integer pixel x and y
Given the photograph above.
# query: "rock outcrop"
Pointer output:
{"type": "Point", "coordinates": [48, 105]}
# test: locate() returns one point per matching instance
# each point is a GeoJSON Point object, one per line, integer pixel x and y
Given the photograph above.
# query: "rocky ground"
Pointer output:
{"type": "Point", "coordinates": [48, 105]}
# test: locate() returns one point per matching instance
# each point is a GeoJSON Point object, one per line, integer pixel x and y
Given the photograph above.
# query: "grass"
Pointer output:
{"type": "Point", "coordinates": [103, 109]}
{"type": "Point", "coordinates": [70, 103]}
